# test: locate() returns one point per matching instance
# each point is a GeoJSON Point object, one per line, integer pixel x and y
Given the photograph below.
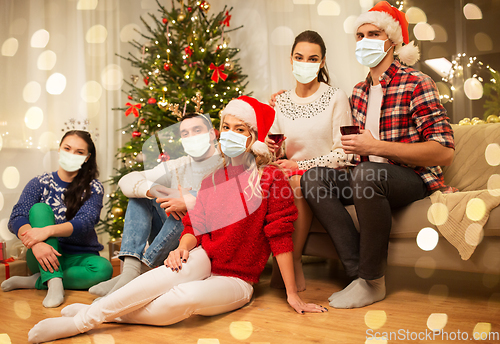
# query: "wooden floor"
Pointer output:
{"type": "Point", "coordinates": [461, 300]}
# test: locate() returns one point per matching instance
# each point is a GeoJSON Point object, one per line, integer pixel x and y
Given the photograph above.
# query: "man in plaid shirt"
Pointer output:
{"type": "Point", "coordinates": [404, 138]}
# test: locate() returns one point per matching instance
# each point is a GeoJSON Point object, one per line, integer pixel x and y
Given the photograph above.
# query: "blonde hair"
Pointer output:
{"type": "Point", "coordinates": [253, 162]}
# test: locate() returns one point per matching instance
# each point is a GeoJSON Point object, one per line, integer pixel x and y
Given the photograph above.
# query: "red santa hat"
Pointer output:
{"type": "Point", "coordinates": [258, 116]}
{"type": "Point", "coordinates": [395, 25]}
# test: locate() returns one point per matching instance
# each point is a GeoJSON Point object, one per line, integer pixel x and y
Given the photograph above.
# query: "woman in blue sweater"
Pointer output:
{"type": "Point", "coordinates": [55, 218]}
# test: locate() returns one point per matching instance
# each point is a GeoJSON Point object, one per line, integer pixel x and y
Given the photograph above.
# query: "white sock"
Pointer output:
{"type": "Point", "coordinates": [103, 288]}
{"type": "Point", "coordinates": [363, 293]}
{"type": "Point", "coordinates": [51, 329]}
{"type": "Point", "coordinates": [131, 270]}
{"type": "Point", "coordinates": [20, 282]}
{"type": "Point", "coordinates": [71, 310]}
{"type": "Point", "coordinates": [343, 291]}
{"type": "Point", "coordinates": [55, 293]}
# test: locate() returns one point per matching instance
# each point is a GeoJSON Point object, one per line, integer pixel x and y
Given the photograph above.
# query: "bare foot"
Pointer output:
{"type": "Point", "coordinates": [276, 279]}
{"type": "Point", "coordinates": [300, 280]}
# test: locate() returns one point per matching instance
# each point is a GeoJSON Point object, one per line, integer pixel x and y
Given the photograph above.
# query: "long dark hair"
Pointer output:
{"type": "Point", "coordinates": [78, 190]}
{"type": "Point", "coordinates": [314, 37]}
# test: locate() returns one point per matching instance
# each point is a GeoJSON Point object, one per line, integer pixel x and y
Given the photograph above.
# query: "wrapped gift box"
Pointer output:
{"type": "Point", "coordinates": [114, 248]}
{"type": "Point", "coordinates": [12, 267]}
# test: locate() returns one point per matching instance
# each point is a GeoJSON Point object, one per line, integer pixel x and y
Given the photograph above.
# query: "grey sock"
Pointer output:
{"type": "Point", "coordinates": [20, 282]}
{"type": "Point", "coordinates": [363, 293]}
{"type": "Point", "coordinates": [53, 328]}
{"type": "Point", "coordinates": [55, 293]}
{"type": "Point", "coordinates": [343, 291]}
{"type": "Point", "coordinates": [103, 288]}
{"type": "Point", "coordinates": [131, 269]}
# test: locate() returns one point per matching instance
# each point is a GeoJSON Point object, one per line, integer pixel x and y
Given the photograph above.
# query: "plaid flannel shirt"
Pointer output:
{"type": "Point", "coordinates": [411, 112]}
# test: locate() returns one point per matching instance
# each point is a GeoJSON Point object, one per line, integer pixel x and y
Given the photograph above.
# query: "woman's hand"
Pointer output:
{"type": "Point", "coordinates": [46, 256]}
{"type": "Point", "coordinates": [176, 258]}
{"type": "Point", "coordinates": [35, 235]}
{"type": "Point", "coordinates": [272, 101]}
{"type": "Point", "coordinates": [273, 147]}
{"type": "Point", "coordinates": [301, 307]}
{"type": "Point", "coordinates": [288, 165]}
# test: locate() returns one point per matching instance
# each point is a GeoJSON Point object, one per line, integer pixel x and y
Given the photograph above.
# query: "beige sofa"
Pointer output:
{"type": "Point", "coordinates": [469, 171]}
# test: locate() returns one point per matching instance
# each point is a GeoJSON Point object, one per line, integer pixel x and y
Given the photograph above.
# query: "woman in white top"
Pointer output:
{"type": "Point", "coordinates": [309, 116]}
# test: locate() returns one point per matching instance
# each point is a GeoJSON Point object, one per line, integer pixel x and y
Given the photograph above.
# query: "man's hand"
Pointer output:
{"type": "Point", "coordinates": [177, 205]}
{"type": "Point", "coordinates": [34, 236]}
{"type": "Point", "coordinates": [46, 255]}
{"type": "Point", "coordinates": [160, 191]}
{"type": "Point", "coordinates": [361, 144]}
{"type": "Point", "coordinates": [272, 101]}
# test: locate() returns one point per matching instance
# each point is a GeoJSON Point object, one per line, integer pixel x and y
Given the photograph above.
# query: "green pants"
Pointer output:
{"type": "Point", "coordinates": [78, 271]}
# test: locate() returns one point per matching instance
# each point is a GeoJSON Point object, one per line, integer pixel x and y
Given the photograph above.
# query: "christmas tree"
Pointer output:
{"type": "Point", "coordinates": [186, 66]}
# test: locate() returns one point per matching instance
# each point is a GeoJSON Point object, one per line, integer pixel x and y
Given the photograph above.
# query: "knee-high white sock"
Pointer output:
{"type": "Point", "coordinates": [71, 310]}
{"type": "Point", "coordinates": [20, 282]}
{"type": "Point", "coordinates": [52, 329]}
{"type": "Point", "coordinates": [131, 269]}
{"type": "Point", "coordinates": [103, 288]}
{"type": "Point", "coordinates": [363, 293]}
{"type": "Point", "coordinates": [55, 293]}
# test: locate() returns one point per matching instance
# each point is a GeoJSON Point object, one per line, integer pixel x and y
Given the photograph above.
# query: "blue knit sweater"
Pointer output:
{"type": "Point", "coordinates": [49, 188]}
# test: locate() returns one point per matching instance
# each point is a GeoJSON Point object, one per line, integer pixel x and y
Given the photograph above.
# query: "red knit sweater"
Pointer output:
{"type": "Point", "coordinates": [239, 230]}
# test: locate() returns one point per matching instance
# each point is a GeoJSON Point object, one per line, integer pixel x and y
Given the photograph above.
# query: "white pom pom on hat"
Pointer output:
{"type": "Point", "coordinates": [395, 25]}
{"type": "Point", "coordinates": [259, 116]}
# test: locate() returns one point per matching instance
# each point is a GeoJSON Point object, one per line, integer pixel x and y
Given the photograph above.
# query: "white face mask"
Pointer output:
{"type": "Point", "coordinates": [71, 162]}
{"type": "Point", "coordinates": [305, 72]}
{"type": "Point", "coordinates": [369, 52]}
{"type": "Point", "coordinates": [196, 145]}
{"type": "Point", "coordinates": [232, 144]}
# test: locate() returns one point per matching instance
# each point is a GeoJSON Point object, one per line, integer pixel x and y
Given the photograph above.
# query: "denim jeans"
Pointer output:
{"type": "Point", "coordinates": [145, 221]}
{"type": "Point", "coordinates": [374, 189]}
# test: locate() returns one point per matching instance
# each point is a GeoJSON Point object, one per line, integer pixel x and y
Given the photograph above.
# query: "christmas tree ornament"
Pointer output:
{"type": "Point", "coordinates": [227, 40]}
{"type": "Point", "coordinates": [163, 157]}
{"type": "Point", "coordinates": [229, 65]}
{"type": "Point", "coordinates": [117, 211]}
{"type": "Point", "coordinates": [139, 157]}
{"type": "Point", "coordinates": [134, 109]}
{"type": "Point", "coordinates": [163, 105]}
{"type": "Point", "coordinates": [165, 20]}
{"type": "Point", "coordinates": [181, 17]}
{"type": "Point", "coordinates": [493, 119]}
{"type": "Point", "coordinates": [134, 78]}
{"type": "Point", "coordinates": [226, 20]}
{"type": "Point", "coordinates": [166, 66]}
{"type": "Point", "coordinates": [188, 51]}
{"type": "Point", "coordinates": [190, 9]}
{"type": "Point", "coordinates": [151, 101]}
{"type": "Point", "coordinates": [130, 97]}
{"type": "Point", "coordinates": [146, 80]}
{"type": "Point", "coordinates": [156, 72]}
{"type": "Point", "coordinates": [204, 6]}
{"type": "Point", "coordinates": [136, 134]}
{"type": "Point", "coordinates": [218, 73]}
{"type": "Point", "coordinates": [198, 101]}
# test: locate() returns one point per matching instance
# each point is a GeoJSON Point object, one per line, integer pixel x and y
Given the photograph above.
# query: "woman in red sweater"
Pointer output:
{"type": "Point", "coordinates": [243, 212]}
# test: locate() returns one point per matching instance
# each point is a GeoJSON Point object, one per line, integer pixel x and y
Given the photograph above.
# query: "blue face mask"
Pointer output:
{"type": "Point", "coordinates": [233, 144]}
{"type": "Point", "coordinates": [370, 52]}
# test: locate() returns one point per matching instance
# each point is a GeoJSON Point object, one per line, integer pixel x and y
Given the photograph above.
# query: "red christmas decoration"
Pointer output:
{"type": "Point", "coordinates": [218, 72]}
{"type": "Point", "coordinates": [190, 9]}
{"type": "Point", "coordinates": [136, 134]}
{"type": "Point", "coordinates": [166, 66]}
{"type": "Point", "coordinates": [146, 80]}
{"type": "Point", "coordinates": [134, 109]}
{"type": "Point", "coordinates": [130, 97]}
{"type": "Point", "coordinates": [188, 51]}
{"type": "Point", "coordinates": [163, 157]}
{"type": "Point", "coordinates": [151, 101]}
{"type": "Point", "coordinates": [165, 20]}
{"type": "Point", "coordinates": [226, 20]}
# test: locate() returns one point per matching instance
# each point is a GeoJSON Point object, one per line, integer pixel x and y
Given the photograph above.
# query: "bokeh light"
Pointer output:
{"type": "Point", "coordinates": [47, 60]}
{"type": "Point", "coordinates": [415, 15]}
{"type": "Point", "coordinates": [349, 24]}
{"type": "Point", "coordinates": [9, 47]}
{"type": "Point", "coordinates": [441, 36]}
{"type": "Point", "coordinates": [56, 84]}
{"type": "Point", "coordinates": [112, 77]}
{"type": "Point", "coordinates": [241, 330]}
{"type": "Point", "coordinates": [282, 36]}
{"type": "Point", "coordinates": [494, 185]}
{"type": "Point", "coordinates": [91, 91]}
{"type": "Point", "coordinates": [86, 4]}
{"type": "Point", "coordinates": [33, 117]}
{"type": "Point", "coordinates": [492, 154]}
{"type": "Point", "coordinates": [1, 201]}
{"type": "Point", "coordinates": [475, 209]}
{"type": "Point", "coordinates": [474, 234]}
{"type": "Point", "coordinates": [32, 92]}
{"type": "Point", "coordinates": [366, 4]}
{"type": "Point", "coordinates": [10, 177]}
{"type": "Point", "coordinates": [5, 339]}
{"type": "Point", "coordinates": [483, 41]}
{"type": "Point", "coordinates": [130, 33]}
{"type": "Point", "coordinates": [5, 234]}
{"type": "Point", "coordinates": [48, 141]}
{"type": "Point", "coordinates": [481, 331]}
{"type": "Point", "coordinates": [444, 92]}
{"type": "Point", "coordinates": [328, 8]}
{"type": "Point", "coordinates": [427, 239]}
{"type": "Point", "coordinates": [437, 321]}
{"type": "Point", "coordinates": [438, 293]}
{"type": "Point", "coordinates": [472, 12]}
{"type": "Point", "coordinates": [425, 267]}
{"type": "Point", "coordinates": [22, 309]}
{"type": "Point", "coordinates": [437, 214]}
{"type": "Point", "coordinates": [103, 339]}
{"type": "Point", "coordinates": [473, 88]}
{"type": "Point", "coordinates": [40, 39]}
{"type": "Point", "coordinates": [96, 34]}
{"type": "Point", "coordinates": [375, 319]}
{"type": "Point", "coordinates": [424, 32]}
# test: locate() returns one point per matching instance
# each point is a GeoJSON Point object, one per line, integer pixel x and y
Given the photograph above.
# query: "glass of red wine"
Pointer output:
{"type": "Point", "coordinates": [349, 130]}
{"type": "Point", "coordinates": [277, 138]}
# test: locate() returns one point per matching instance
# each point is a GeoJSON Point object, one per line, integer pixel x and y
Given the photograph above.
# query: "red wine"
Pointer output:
{"type": "Point", "coordinates": [349, 129]}
{"type": "Point", "coordinates": [277, 138]}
